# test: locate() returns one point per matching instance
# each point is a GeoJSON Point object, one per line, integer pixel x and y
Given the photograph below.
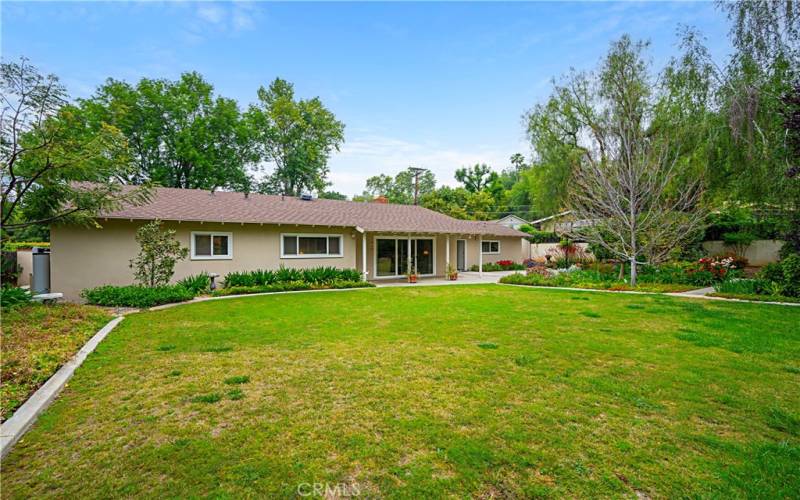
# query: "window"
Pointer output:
{"type": "Point", "coordinates": [208, 245]}
{"type": "Point", "coordinates": [490, 247]}
{"type": "Point", "coordinates": [307, 246]}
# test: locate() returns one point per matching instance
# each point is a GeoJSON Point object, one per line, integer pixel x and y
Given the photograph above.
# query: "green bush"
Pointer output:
{"type": "Point", "coordinates": [290, 286]}
{"type": "Point", "coordinates": [741, 286]}
{"type": "Point", "coordinates": [782, 278]}
{"type": "Point", "coordinates": [317, 276]}
{"type": "Point", "coordinates": [537, 236]}
{"type": "Point", "coordinates": [791, 275]}
{"type": "Point", "coordinates": [498, 266]}
{"type": "Point", "coordinates": [13, 297]}
{"type": "Point", "coordinates": [772, 272]}
{"type": "Point", "coordinates": [136, 296]}
{"type": "Point", "coordinates": [197, 284]}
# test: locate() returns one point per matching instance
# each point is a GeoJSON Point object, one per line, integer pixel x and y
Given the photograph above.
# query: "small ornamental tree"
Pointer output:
{"type": "Point", "coordinates": [158, 254]}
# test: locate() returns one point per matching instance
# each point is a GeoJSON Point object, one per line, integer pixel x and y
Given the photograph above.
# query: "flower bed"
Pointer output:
{"type": "Point", "coordinates": [37, 340]}
{"type": "Point", "coordinates": [500, 265]}
{"type": "Point", "coordinates": [589, 280]}
{"type": "Point", "coordinates": [290, 287]}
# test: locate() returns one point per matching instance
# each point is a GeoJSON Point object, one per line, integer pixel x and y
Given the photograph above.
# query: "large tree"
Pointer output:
{"type": "Point", "coordinates": [476, 178]}
{"type": "Point", "coordinates": [297, 136]}
{"type": "Point", "coordinates": [628, 183]}
{"type": "Point", "coordinates": [749, 139]}
{"type": "Point", "coordinates": [400, 188]}
{"type": "Point", "coordinates": [56, 166]}
{"type": "Point", "coordinates": [180, 134]}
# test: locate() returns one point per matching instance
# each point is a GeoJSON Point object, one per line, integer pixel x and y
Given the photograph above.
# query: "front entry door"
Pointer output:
{"type": "Point", "coordinates": [461, 255]}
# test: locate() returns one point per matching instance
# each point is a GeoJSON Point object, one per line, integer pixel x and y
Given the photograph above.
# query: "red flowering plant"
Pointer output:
{"type": "Point", "coordinates": [505, 263]}
{"type": "Point", "coordinates": [708, 270]}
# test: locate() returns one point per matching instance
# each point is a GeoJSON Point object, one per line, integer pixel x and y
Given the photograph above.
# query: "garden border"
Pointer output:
{"type": "Point", "coordinates": [12, 430]}
{"type": "Point", "coordinates": [687, 295]}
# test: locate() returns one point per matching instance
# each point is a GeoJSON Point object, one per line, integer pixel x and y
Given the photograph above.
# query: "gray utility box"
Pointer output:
{"type": "Point", "coordinates": [40, 283]}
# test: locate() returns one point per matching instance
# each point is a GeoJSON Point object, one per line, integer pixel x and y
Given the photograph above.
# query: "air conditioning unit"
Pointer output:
{"type": "Point", "coordinates": [306, 196]}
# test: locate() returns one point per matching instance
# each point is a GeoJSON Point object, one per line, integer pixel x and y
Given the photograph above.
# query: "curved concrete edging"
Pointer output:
{"type": "Point", "coordinates": [15, 427]}
{"type": "Point", "coordinates": [685, 295]}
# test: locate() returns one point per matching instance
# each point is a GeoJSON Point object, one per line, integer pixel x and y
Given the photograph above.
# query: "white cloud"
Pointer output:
{"type": "Point", "coordinates": [211, 13]}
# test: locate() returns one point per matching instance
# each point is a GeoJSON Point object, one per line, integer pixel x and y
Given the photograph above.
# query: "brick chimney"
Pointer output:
{"type": "Point", "coordinates": [380, 199]}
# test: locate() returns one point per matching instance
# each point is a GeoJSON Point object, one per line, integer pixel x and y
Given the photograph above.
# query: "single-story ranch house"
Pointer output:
{"type": "Point", "coordinates": [227, 231]}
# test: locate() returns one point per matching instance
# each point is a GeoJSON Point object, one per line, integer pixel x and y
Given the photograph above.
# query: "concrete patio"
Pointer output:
{"type": "Point", "coordinates": [464, 278]}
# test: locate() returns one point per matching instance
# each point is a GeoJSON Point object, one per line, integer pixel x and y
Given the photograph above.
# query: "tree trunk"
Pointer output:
{"type": "Point", "coordinates": [633, 271]}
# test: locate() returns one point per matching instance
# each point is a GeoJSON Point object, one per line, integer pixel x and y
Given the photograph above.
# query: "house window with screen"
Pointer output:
{"type": "Point", "coordinates": [210, 245]}
{"type": "Point", "coordinates": [305, 246]}
{"type": "Point", "coordinates": [490, 247]}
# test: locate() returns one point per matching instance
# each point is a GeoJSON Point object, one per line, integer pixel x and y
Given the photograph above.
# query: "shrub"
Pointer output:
{"type": "Point", "coordinates": [600, 252]}
{"type": "Point", "coordinates": [739, 240]}
{"type": "Point", "coordinates": [536, 236]}
{"type": "Point", "coordinates": [158, 253]}
{"type": "Point", "coordinates": [710, 270]}
{"type": "Point", "coordinates": [316, 276]}
{"type": "Point", "coordinates": [500, 265]}
{"type": "Point", "coordinates": [782, 278]}
{"type": "Point", "coordinates": [13, 297]}
{"type": "Point", "coordinates": [741, 286]}
{"type": "Point", "coordinates": [197, 284]}
{"type": "Point", "coordinates": [791, 275]}
{"type": "Point", "coordinates": [290, 286]}
{"type": "Point", "coordinates": [136, 296]}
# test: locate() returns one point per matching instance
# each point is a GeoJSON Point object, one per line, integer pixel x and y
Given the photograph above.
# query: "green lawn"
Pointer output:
{"type": "Point", "coordinates": [478, 391]}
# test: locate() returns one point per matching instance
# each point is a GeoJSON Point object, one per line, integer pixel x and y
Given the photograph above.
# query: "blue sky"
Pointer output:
{"type": "Point", "coordinates": [437, 85]}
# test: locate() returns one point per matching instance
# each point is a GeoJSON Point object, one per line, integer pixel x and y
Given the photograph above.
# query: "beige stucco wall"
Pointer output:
{"type": "Point", "coordinates": [759, 253]}
{"type": "Point", "coordinates": [86, 257]}
{"type": "Point", "coordinates": [542, 249]}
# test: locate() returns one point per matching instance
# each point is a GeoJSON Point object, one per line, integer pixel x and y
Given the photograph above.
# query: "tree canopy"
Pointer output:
{"type": "Point", "coordinates": [179, 133]}
{"type": "Point", "coordinates": [297, 136]}
{"type": "Point", "coordinates": [56, 166]}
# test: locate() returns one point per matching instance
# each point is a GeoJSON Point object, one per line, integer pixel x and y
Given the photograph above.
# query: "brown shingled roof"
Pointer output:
{"type": "Point", "coordinates": [222, 206]}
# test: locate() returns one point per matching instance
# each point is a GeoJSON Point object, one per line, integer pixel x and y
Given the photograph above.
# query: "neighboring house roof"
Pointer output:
{"type": "Point", "coordinates": [514, 219]}
{"type": "Point", "coordinates": [229, 207]}
{"type": "Point", "coordinates": [545, 219]}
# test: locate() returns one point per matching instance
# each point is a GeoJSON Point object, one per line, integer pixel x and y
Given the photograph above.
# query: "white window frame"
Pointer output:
{"type": "Point", "coordinates": [314, 255]}
{"type": "Point", "coordinates": [227, 256]}
{"type": "Point", "coordinates": [490, 246]}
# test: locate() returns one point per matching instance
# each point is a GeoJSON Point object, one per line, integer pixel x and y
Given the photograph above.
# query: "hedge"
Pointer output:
{"type": "Point", "coordinates": [315, 276]}
{"type": "Point", "coordinates": [136, 296]}
{"type": "Point", "coordinates": [291, 286]}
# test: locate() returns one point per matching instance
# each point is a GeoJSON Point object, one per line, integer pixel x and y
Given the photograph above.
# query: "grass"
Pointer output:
{"type": "Point", "coordinates": [37, 341]}
{"type": "Point", "coordinates": [397, 392]}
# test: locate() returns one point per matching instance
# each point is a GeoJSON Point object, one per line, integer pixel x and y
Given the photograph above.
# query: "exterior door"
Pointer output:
{"type": "Point", "coordinates": [461, 255]}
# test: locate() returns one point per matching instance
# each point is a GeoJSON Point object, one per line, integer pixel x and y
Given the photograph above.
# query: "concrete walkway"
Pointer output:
{"type": "Point", "coordinates": [700, 292]}
{"type": "Point", "coordinates": [464, 278]}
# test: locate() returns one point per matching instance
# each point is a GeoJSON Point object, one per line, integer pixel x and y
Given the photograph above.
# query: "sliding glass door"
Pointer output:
{"type": "Point", "coordinates": [391, 256]}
